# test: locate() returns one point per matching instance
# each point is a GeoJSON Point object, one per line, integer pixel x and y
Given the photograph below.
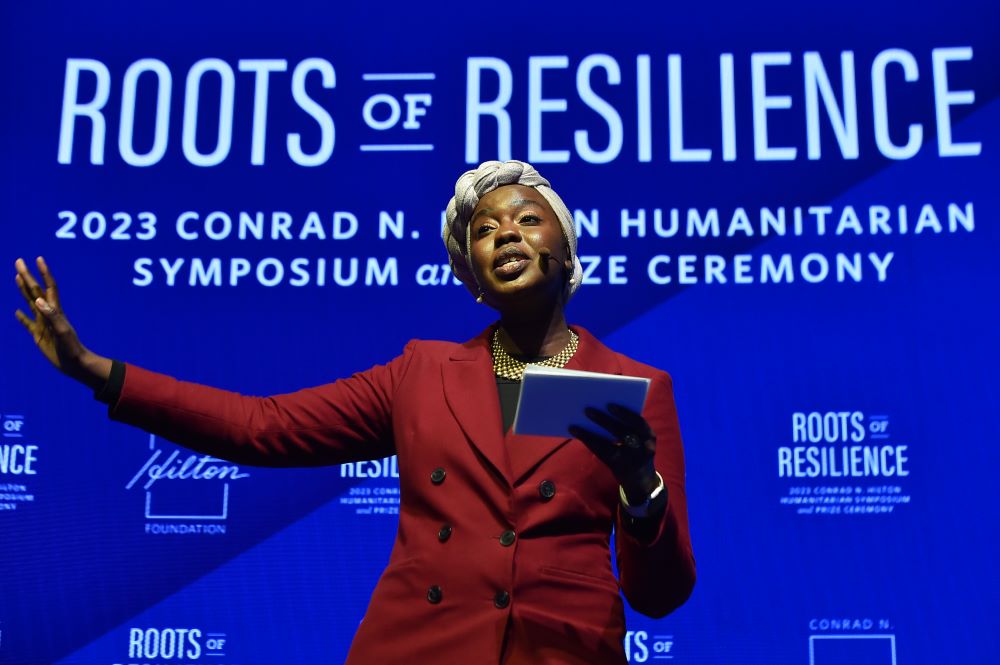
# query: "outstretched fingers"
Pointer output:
{"type": "Point", "coordinates": [37, 299]}
{"type": "Point", "coordinates": [26, 321]}
{"type": "Point", "coordinates": [51, 290]}
{"type": "Point", "coordinates": [26, 282]}
{"type": "Point", "coordinates": [22, 286]}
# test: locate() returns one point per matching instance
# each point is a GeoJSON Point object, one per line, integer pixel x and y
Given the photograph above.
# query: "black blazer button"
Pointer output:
{"type": "Point", "coordinates": [434, 595]}
{"type": "Point", "coordinates": [547, 489]}
{"type": "Point", "coordinates": [501, 600]}
{"type": "Point", "coordinates": [437, 475]}
{"type": "Point", "coordinates": [445, 532]}
{"type": "Point", "coordinates": [507, 538]}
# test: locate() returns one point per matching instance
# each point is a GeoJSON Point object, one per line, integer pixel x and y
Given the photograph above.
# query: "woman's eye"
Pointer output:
{"type": "Point", "coordinates": [483, 230]}
{"type": "Point", "coordinates": [529, 219]}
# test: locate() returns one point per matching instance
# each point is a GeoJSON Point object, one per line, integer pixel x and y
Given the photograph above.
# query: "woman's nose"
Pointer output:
{"type": "Point", "coordinates": [508, 231]}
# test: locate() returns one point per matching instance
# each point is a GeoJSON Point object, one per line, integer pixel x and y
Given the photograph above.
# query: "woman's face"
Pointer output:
{"type": "Point", "coordinates": [517, 246]}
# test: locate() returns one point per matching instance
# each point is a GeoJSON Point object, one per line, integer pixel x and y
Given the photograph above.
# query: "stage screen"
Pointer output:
{"type": "Point", "coordinates": [790, 207]}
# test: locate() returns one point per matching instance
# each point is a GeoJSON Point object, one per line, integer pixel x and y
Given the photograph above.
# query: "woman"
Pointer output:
{"type": "Point", "coordinates": [502, 553]}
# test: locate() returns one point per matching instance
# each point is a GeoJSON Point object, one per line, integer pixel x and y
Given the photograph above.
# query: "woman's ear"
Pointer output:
{"type": "Point", "coordinates": [568, 263]}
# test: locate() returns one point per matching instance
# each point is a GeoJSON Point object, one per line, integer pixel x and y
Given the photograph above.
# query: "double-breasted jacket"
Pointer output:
{"type": "Point", "coordinates": [502, 553]}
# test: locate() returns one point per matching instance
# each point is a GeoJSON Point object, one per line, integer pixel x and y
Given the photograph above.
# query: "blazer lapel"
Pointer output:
{"type": "Point", "coordinates": [527, 452]}
{"type": "Point", "coordinates": [471, 392]}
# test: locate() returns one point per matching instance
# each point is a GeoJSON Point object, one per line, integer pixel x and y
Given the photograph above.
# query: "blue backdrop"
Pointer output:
{"type": "Point", "coordinates": [790, 208]}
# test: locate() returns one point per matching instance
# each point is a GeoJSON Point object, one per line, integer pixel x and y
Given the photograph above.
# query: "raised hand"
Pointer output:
{"type": "Point", "coordinates": [626, 446]}
{"type": "Point", "coordinates": [51, 330]}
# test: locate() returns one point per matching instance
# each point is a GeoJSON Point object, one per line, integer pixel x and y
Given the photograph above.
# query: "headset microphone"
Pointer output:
{"type": "Point", "coordinates": [544, 254]}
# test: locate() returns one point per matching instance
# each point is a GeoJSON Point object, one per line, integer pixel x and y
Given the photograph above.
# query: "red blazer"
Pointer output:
{"type": "Point", "coordinates": [502, 553]}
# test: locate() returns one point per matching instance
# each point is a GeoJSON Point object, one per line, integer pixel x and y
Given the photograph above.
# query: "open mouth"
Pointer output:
{"type": "Point", "coordinates": [509, 262]}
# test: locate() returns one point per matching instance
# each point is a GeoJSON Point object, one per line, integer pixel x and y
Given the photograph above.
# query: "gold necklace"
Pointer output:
{"type": "Point", "coordinates": [509, 367]}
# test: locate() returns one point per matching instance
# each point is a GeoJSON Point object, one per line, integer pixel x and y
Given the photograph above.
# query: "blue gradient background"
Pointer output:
{"type": "Point", "coordinates": [290, 579]}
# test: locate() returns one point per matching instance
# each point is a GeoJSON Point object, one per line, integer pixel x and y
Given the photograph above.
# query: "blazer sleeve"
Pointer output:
{"type": "Point", "coordinates": [347, 420]}
{"type": "Point", "coordinates": [655, 561]}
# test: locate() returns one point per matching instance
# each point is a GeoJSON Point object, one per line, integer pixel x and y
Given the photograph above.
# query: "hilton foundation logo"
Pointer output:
{"type": "Point", "coordinates": [185, 492]}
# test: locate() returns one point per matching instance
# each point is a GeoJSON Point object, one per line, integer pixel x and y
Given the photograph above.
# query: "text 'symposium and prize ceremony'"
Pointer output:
{"type": "Point", "coordinates": [553, 334]}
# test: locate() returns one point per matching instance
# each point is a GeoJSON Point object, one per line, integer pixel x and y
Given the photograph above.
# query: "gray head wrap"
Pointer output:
{"type": "Point", "coordinates": [477, 183]}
